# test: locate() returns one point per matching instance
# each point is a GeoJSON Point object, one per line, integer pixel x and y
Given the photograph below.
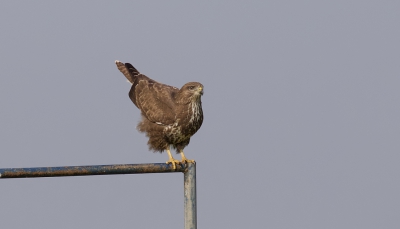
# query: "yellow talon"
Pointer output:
{"type": "Point", "coordinates": [185, 160]}
{"type": "Point", "coordinates": [173, 162]}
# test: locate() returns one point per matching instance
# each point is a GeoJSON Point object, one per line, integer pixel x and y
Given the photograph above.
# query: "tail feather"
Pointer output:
{"type": "Point", "coordinates": [128, 70]}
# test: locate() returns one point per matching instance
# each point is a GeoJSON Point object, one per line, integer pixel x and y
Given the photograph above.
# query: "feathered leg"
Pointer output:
{"type": "Point", "coordinates": [171, 159]}
{"type": "Point", "coordinates": [184, 159]}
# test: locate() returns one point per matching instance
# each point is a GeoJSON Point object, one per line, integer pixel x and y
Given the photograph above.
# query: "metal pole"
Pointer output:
{"type": "Point", "coordinates": [189, 170]}
{"type": "Point", "coordinates": [190, 196]}
{"type": "Point", "coordinates": [89, 170]}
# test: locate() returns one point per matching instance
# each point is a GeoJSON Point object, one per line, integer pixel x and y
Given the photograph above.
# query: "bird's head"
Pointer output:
{"type": "Point", "coordinates": [192, 90]}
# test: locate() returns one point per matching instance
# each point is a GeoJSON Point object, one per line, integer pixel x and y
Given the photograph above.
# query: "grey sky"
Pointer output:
{"type": "Point", "coordinates": [301, 109]}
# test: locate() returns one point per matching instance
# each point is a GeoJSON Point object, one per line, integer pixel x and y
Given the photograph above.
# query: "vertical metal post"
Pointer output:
{"type": "Point", "coordinates": [190, 196]}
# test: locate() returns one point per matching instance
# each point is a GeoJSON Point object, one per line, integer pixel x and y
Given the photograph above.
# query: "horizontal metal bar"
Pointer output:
{"type": "Point", "coordinates": [90, 170]}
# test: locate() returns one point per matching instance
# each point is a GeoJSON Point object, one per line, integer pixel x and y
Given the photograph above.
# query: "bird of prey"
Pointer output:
{"type": "Point", "coordinates": [170, 116]}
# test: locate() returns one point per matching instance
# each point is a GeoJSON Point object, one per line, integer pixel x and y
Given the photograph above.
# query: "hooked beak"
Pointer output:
{"type": "Point", "coordinates": [200, 90]}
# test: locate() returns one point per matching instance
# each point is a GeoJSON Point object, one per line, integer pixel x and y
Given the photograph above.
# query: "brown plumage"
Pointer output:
{"type": "Point", "coordinates": [170, 116]}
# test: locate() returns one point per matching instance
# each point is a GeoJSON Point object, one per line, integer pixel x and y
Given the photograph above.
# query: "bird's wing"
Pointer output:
{"type": "Point", "coordinates": [155, 100]}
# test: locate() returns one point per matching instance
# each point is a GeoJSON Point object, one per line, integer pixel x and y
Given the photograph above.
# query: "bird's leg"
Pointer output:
{"type": "Point", "coordinates": [172, 160]}
{"type": "Point", "coordinates": [184, 159]}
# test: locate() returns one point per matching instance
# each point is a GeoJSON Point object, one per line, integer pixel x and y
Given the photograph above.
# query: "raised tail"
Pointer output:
{"type": "Point", "coordinates": [128, 70]}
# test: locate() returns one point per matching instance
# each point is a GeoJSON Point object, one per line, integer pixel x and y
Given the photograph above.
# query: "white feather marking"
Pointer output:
{"type": "Point", "coordinates": [195, 112]}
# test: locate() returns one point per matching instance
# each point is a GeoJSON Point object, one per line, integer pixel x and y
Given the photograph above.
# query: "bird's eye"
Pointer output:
{"type": "Point", "coordinates": [191, 87]}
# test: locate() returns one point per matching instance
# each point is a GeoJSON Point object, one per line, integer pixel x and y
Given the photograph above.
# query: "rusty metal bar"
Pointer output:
{"type": "Point", "coordinates": [190, 196]}
{"type": "Point", "coordinates": [89, 170]}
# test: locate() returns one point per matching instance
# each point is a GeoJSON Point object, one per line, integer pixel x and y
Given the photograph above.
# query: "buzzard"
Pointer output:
{"type": "Point", "coordinates": [170, 116]}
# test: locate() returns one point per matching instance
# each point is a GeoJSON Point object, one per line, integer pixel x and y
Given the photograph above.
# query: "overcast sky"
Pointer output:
{"type": "Point", "coordinates": [301, 108]}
